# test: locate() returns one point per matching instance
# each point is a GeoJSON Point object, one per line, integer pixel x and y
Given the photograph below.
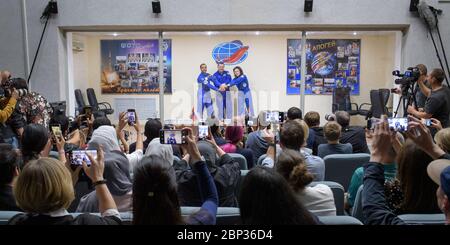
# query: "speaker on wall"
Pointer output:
{"type": "Point", "coordinates": [156, 7]}
{"type": "Point", "coordinates": [413, 6]}
{"type": "Point", "coordinates": [308, 6]}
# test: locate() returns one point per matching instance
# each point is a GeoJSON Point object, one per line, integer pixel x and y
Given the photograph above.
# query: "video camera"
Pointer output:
{"type": "Point", "coordinates": [410, 76]}
{"type": "Point", "coordinates": [18, 83]}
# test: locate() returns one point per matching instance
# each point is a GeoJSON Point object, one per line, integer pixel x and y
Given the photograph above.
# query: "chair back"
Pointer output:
{"type": "Point", "coordinates": [357, 210]}
{"type": "Point", "coordinates": [338, 194]}
{"type": "Point", "coordinates": [240, 159]}
{"type": "Point", "coordinates": [340, 167]}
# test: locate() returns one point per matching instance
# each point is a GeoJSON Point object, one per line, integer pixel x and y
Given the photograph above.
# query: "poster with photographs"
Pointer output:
{"type": "Point", "coordinates": [330, 63]}
{"type": "Point", "coordinates": [131, 66]}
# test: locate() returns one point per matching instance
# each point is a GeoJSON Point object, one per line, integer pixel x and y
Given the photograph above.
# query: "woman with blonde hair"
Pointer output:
{"type": "Point", "coordinates": [44, 190]}
{"type": "Point", "coordinates": [442, 139]}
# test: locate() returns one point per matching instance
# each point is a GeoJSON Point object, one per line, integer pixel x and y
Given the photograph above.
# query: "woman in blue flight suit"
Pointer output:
{"type": "Point", "coordinates": [245, 102]}
{"type": "Point", "coordinates": [206, 82]}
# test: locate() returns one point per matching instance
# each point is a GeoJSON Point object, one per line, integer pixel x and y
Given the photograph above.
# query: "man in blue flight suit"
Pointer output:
{"type": "Point", "coordinates": [171, 140]}
{"type": "Point", "coordinates": [205, 84]}
{"type": "Point", "coordinates": [223, 99]}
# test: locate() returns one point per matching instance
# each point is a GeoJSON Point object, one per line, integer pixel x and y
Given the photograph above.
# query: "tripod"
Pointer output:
{"type": "Point", "coordinates": [408, 98]}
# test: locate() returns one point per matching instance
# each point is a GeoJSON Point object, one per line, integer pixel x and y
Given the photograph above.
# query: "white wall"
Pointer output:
{"type": "Point", "coordinates": [50, 74]}
{"type": "Point", "coordinates": [265, 66]}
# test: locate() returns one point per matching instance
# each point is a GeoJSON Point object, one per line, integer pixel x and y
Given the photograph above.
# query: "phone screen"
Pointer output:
{"type": "Point", "coordinates": [202, 131]}
{"type": "Point", "coordinates": [131, 115]}
{"type": "Point", "coordinates": [77, 157]}
{"type": "Point", "coordinates": [428, 122]}
{"type": "Point", "coordinates": [172, 137]}
{"type": "Point", "coordinates": [398, 124]}
{"type": "Point", "coordinates": [56, 129]}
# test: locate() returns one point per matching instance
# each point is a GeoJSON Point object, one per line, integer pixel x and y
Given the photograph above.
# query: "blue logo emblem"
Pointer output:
{"type": "Point", "coordinates": [230, 53]}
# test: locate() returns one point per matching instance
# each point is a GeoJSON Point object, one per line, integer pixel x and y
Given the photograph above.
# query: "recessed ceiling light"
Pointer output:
{"type": "Point", "coordinates": [115, 34]}
{"type": "Point", "coordinates": [354, 33]}
{"type": "Point", "coordinates": [257, 33]}
{"type": "Point", "coordinates": [209, 33]}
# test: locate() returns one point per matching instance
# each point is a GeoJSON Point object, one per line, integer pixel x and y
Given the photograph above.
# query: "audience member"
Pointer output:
{"type": "Point", "coordinates": [354, 135]}
{"type": "Point", "coordinates": [117, 172]}
{"type": "Point", "coordinates": [234, 136]}
{"type": "Point", "coordinates": [225, 171]}
{"type": "Point", "coordinates": [317, 199]}
{"type": "Point", "coordinates": [46, 203]}
{"type": "Point", "coordinates": [35, 142]}
{"type": "Point", "coordinates": [316, 136]}
{"type": "Point", "coordinates": [332, 132]}
{"type": "Point", "coordinates": [9, 170]}
{"type": "Point", "coordinates": [151, 131]}
{"type": "Point", "coordinates": [255, 140]}
{"type": "Point", "coordinates": [374, 201]}
{"type": "Point", "coordinates": [155, 199]}
{"type": "Point", "coordinates": [294, 113]}
{"type": "Point", "coordinates": [442, 139]}
{"type": "Point", "coordinates": [267, 199]}
{"type": "Point", "coordinates": [293, 136]}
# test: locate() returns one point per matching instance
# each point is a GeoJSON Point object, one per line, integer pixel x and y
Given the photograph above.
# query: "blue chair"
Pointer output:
{"type": "Point", "coordinates": [237, 191]}
{"type": "Point", "coordinates": [357, 210]}
{"type": "Point", "coordinates": [423, 219]}
{"type": "Point", "coordinates": [339, 220]}
{"type": "Point", "coordinates": [240, 159]}
{"type": "Point", "coordinates": [338, 194]}
{"type": "Point", "coordinates": [340, 167]}
{"type": "Point", "coordinates": [6, 215]}
{"type": "Point", "coordinates": [261, 159]}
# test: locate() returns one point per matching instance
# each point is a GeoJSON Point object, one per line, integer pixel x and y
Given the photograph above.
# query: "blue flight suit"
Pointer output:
{"type": "Point", "coordinates": [223, 99]}
{"type": "Point", "coordinates": [171, 140]}
{"type": "Point", "coordinates": [205, 84]}
{"type": "Point", "coordinates": [245, 102]}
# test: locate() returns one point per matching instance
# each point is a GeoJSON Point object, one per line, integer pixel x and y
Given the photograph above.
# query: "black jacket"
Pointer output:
{"type": "Point", "coordinates": [356, 136]}
{"type": "Point", "coordinates": [374, 205]}
{"type": "Point", "coordinates": [319, 138]}
{"type": "Point", "coordinates": [226, 173]}
{"type": "Point", "coordinates": [7, 200]}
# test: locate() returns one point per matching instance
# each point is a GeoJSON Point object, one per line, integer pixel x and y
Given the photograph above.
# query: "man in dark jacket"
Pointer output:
{"type": "Point", "coordinates": [225, 171]}
{"type": "Point", "coordinates": [354, 135]}
{"type": "Point", "coordinates": [373, 198]}
{"type": "Point", "coordinates": [255, 140]}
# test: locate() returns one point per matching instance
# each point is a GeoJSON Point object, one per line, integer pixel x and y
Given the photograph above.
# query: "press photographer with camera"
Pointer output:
{"type": "Point", "coordinates": [438, 102]}
{"type": "Point", "coordinates": [10, 96]}
{"type": "Point", "coordinates": [421, 89]}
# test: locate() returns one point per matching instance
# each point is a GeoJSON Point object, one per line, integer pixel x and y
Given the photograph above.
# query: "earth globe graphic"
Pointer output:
{"type": "Point", "coordinates": [230, 53]}
{"type": "Point", "coordinates": [323, 63]}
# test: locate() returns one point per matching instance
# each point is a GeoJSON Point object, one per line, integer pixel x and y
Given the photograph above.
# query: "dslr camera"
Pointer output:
{"type": "Point", "coordinates": [410, 76]}
{"type": "Point", "coordinates": [18, 83]}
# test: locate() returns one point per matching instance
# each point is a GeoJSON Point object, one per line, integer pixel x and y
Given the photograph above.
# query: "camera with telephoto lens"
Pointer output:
{"type": "Point", "coordinates": [14, 83]}
{"type": "Point", "coordinates": [410, 76]}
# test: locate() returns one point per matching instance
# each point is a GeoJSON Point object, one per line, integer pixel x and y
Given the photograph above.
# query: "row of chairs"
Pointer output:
{"type": "Point", "coordinates": [225, 216]}
{"type": "Point", "coordinates": [339, 167]}
{"type": "Point", "coordinates": [99, 109]}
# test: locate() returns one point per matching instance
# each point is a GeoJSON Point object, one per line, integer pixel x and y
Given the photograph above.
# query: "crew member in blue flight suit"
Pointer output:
{"type": "Point", "coordinates": [205, 84]}
{"type": "Point", "coordinates": [223, 99]}
{"type": "Point", "coordinates": [171, 140]}
{"type": "Point", "coordinates": [245, 102]}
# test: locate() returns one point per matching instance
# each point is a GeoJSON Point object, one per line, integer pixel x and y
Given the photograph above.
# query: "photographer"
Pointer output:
{"type": "Point", "coordinates": [421, 90]}
{"type": "Point", "coordinates": [438, 102]}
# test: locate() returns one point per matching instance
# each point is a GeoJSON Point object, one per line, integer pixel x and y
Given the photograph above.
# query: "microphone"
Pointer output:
{"type": "Point", "coordinates": [427, 14]}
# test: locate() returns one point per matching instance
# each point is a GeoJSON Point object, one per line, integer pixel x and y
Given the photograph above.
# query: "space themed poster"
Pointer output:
{"type": "Point", "coordinates": [330, 63]}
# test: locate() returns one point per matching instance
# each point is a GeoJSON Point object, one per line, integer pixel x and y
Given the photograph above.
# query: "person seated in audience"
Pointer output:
{"type": "Point", "coordinates": [354, 135]}
{"type": "Point", "coordinates": [316, 135]}
{"type": "Point", "coordinates": [442, 139]}
{"type": "Point", "coordinates": [390, 171]}
{"type": "Point", "coordinates": [413, 191]}
{"type": "Point", "coordinates": [215, 131]}
{"type": "Point", "coordinates": [44, 190]}
{"type": "Point", "coordinates": [374, 204]}
{"type": "Point", "coordinates": [255, 140]}
{"type": "Point", "coordinates": [72, 139]}
{"type": "Point", "coordinates": [225, 171]}
{"type": "Point", "coordinates": [294, 113]}
{"type": "Point", "coordinates": [318, 199]}
{"type": "Point", "coordinates": [332, 132]}
{"type": "Point", "coordinates": [267, 199]}
{"type": "Point", "coordinates": [155, 199]}
{"type": "Point", "coordinates": [439, 172]}
{"type": "Point", "coordinates": [293, 136]}
{"type": "Point", "coordinates": [117, 172]}
{"type": "Point", "coordinates": [151, 131]}
{"type": "Point", "coordinates": [234, 136]}
{"type": "Point", "coordinates": [9, 170]}
{"type": "Point", "coordinates": [35, 143]}
{"type": "Point", "coordinates": [137, 155]}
